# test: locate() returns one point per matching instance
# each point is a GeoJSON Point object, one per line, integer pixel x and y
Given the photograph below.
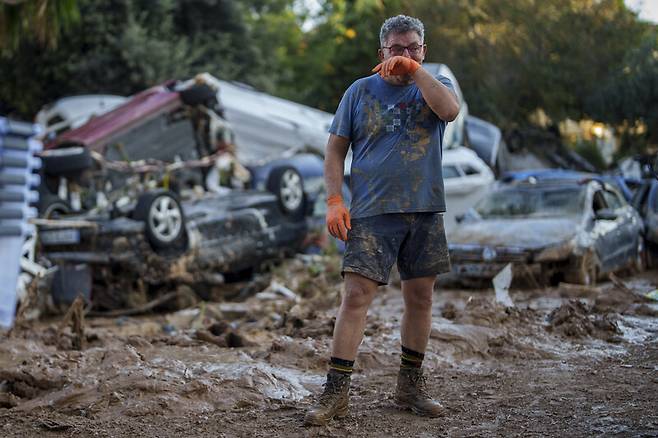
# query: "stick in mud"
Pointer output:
{"type": "Point", "coordinates": [75, 316]}
{"type": "Point", "coordinates": [137, 310]}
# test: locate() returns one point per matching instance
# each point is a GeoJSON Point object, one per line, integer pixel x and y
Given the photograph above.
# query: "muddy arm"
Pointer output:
{"type": "Point", "coordinates": [334, 162]}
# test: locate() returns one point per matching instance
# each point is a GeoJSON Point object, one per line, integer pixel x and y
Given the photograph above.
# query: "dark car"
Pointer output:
{"type": "Point", "coordinates": [167, 242]}
{"type": "Point", "coordinates": [646, 203]}
{"type": "Point", "coordinates": [560, 230]}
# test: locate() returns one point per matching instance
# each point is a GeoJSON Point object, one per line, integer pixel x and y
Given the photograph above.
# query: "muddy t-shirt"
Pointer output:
{"type": "Point", "coordinates": [396, 142]}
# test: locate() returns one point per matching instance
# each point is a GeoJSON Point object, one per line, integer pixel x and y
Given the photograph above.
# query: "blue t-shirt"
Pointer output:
{"type": "Point", "coordinates": [396, 146]}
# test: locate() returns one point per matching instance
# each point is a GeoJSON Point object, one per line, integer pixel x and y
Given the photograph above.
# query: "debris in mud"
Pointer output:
{"type": "Point", "coordinates": [574, 320]}
{"type": "Point", "coordinates": [8, 400]}
{"type": "Point", "coordinates": [53, 425]}
{"type": "Point", "coordinates": [449, 311]}
{"type": "Point", "coordinates": [485, 312]}
{"type": "Point", "coordinates": [502, 282]}
{"type": "Point", "coordinates": [23, 383]}
{"type": "Point", "coordinates": [226, 339]}
{"type": "Point", "coordinates": [75, 317]}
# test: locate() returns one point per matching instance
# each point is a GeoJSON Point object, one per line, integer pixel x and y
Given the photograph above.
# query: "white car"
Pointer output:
{"type": "Point", "coordinates": [466, 178]}
{"type": "Point", "coordinates": [267, 126]}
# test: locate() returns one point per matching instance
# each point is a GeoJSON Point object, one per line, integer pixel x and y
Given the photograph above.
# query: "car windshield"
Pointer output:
{"type": "Point", "coordinates": [532, 202]}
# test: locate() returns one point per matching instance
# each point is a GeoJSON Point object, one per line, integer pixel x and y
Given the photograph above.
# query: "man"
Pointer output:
{"type": "Point", "coordinates": [394, 121]}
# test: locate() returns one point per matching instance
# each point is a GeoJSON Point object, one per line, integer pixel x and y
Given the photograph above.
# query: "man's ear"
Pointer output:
{"type": "Point", "coordinates": [380, 55]}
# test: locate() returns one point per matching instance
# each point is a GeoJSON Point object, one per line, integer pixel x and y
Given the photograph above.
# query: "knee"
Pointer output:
{"type": "Point", "coordinates": [419, 301]}
{"type": "Point", "coordinates": [357, 297]}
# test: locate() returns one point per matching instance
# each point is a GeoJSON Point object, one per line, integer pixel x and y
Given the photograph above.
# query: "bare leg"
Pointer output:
{"type": "Point", "coordinates": [351, 319]}
{"type": "Point", "coordinates": [417, 318]}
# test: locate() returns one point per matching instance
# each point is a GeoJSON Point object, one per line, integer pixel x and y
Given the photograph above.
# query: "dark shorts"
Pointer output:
{"type": "Point", "coordinates": [416, 240]}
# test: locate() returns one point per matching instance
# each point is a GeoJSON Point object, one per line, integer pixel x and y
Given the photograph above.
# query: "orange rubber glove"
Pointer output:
{"type": "Point", "coordinates": [338, 217]}
{"type": "Point", "coordinates": [397, 66]}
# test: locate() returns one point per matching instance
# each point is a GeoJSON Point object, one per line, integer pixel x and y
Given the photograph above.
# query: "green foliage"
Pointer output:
{"type": "Point", "coordinates": [570, 58]}
{"type": "Point", "coordinates": [124, 46]}
{"type": "Point", "coordinates": [40, 21]}
{"type": "Point", "coordinates": [628, 97]}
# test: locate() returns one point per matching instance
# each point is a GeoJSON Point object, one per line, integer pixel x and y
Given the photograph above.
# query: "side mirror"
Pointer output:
{"type": "Point", "coordinates": [605, 214]}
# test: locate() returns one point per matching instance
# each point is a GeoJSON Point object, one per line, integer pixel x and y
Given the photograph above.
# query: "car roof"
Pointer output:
{"type": "Point", "coordinates": [99, 130]}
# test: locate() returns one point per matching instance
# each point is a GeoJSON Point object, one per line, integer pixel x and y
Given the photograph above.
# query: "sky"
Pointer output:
{"type": "Point", "coordinates": [648, 9]}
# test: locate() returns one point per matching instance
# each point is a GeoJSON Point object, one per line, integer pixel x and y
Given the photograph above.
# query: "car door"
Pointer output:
{"type": "Point", "coordinates": [651, 215]}
{"type": "Point", "coordinates": [627, 231]}
{"type": "Point", "coordinates": [605, 233]}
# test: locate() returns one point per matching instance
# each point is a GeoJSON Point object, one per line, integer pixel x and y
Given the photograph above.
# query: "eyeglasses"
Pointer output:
{"type": "Point", "coordinates": [397, 49]}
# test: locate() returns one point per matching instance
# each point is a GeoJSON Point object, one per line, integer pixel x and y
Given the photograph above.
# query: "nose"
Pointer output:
{"type": "Point", "coordinates": [406, 53]}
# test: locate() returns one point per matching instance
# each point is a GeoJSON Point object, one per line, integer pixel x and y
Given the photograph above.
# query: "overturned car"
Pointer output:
{"type": "Point", "coordinates": [555, 230]}
{"type": "Point", "coordinates": [150, 196]}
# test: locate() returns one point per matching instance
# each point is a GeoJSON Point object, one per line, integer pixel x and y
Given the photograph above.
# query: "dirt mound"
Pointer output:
{"type": "Point", "coordinates": [574, 319]}
{"type": "Point", "coordinates": [484, 311]}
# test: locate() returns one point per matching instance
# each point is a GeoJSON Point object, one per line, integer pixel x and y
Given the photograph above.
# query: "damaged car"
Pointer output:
{"type": "Point", "coordinates": [645, 201]}
{"type": "Point", "coordinates": [554, 230]}
{"type": "Point", "coordinates": [165, 242]}
{"type": "Point", "coordinates": [150, 196]}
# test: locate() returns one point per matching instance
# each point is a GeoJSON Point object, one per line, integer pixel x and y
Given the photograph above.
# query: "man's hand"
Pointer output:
{"type": "Point", "coordinates": [397, 66]}
{"type": "Point", "coordinates": [338, 218]}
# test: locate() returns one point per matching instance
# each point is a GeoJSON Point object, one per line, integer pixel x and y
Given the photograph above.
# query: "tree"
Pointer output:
{"type": "Point", "coordinates": [628, 98]}
{"type": "Point", "coordinates": [124, 46]}
{"type": "Point", "coordinates": [36, 20]}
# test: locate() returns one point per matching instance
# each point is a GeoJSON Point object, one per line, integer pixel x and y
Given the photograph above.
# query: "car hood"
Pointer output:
{"type": "Point", "coordinates": [524, 233]}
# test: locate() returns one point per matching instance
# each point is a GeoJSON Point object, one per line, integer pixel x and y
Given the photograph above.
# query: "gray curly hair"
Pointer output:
{"type": "Point", "coordinates": [401, 24]}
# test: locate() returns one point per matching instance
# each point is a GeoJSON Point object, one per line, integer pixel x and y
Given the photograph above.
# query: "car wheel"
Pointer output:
{"type": "Point", "coordinates": [163, 218]}
{"type": "Point", "coordinates": [287, 184]}
{"type": "Point", "coordinates": [199, 94]}
{"type": "Point", "coordinates": [52, 207]}
{"type": "Point", "coordinates": [66, 160]}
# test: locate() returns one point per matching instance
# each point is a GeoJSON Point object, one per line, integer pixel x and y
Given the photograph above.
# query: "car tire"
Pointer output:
{"type": "Point", "coordinates": [163, 218]}
{"type": "Point", "coordinates": [66, 161]}
{"type": "Point", "coordinates": [52, 207]}
{"type": "Point", "coordinates": [287, 184]}
{"type": "Point", "coordinates": [199, 94]}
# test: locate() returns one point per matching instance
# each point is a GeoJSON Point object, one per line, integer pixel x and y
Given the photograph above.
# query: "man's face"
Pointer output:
{"type": "Point", "coordinates": [406, 44]}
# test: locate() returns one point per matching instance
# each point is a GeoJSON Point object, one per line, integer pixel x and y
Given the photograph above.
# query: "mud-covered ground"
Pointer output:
{"type": "Point", "coordinates": [566, 361]}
